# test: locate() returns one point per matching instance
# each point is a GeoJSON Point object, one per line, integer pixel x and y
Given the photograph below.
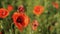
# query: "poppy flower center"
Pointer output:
{"type": "Point", "coordinates": [35, 25]}
{"type": "Point", "coordinates": [20, 20]}
{"type": "Point", "coordinates": [37, 9]}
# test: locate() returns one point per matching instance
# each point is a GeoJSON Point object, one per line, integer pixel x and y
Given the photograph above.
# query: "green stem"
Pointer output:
{"type": "Point", "coordinates": [29, 30]}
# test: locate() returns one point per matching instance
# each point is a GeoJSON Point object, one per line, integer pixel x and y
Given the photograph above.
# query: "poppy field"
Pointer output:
{"type": "Point", "coordinates": [29, 16]}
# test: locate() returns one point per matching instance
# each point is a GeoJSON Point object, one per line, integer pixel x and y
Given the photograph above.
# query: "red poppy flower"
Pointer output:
{"type": "Point", "coordinates": [10, 7]}
{"type": "Point", "coordinates": [34, 24]}
{"type": "Point", "coordinates": [56, 5]}
{"type": "Point", "coordinates": [38, 10]}
{"type": "Point", "coordinates": [21, 20]}
{"type": "Point", "coordinates": [3, 13]}
{"type": "Point", "coordinates": [21, 8]}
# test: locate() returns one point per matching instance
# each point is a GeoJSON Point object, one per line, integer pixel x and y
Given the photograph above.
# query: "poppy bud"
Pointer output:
{"type": "Point", "coordinates": [10, 8]}
{"type": "Point", "coordinates": [21, 8]}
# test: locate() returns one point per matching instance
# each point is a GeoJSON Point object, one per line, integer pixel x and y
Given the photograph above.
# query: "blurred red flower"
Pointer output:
{"type": "Point", "coordinates": [21, 20]}
{"type": "Point", "coordinates": [3, 13]}
{"type": "Point", "coordinates": [38, 10]}
{"type": "Point", "coordinates": [34, 25]}
{"type": "Point", "coordinates": [56, 5]}
{"type": "Point", "coordinates": [10, 8]}
{"type": "Point", "coordinates": [21, 8]}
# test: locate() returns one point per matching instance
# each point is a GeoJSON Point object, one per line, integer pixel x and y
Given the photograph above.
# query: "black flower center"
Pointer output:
{"type": "Point", "coordinates": [35, 25]}
{"type": "Point", "coordinates": [20, 20]}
